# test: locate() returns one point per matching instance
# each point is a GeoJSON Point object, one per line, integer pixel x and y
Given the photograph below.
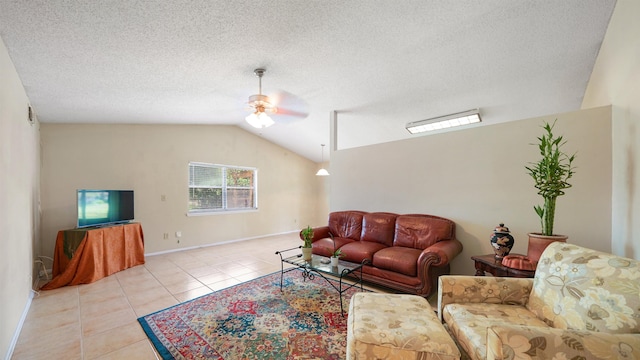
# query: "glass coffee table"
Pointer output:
{"type": "Point", "coordinates": [320, 265]}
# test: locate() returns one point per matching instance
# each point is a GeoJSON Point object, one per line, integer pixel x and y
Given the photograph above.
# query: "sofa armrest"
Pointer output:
{"type": "Point", "coordinates": [482, 289]}
{"type": "Point", "coordinates": [318, 233]}
{"type": "Point", "coordinates": [513, 341]}
{"type": "Point", "coordinates": [440, 253]}
{"type": "Point", "coordinates": [434, 262]}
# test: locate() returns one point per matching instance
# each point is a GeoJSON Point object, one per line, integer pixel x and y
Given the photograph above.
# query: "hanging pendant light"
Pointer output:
{"type": "Point", "coordinates": [322, 171]}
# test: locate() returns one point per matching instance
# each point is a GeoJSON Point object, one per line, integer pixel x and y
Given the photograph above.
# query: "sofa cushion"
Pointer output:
{"type": "Point", "coordinates": [346, 224]}
{"type": "Point", "coordinates": [421, 231]}
{"type": "Point", "coordinates": [385, 277]}
{"type": "Point", "coordinates": [469, 323]}
{"type": "Point", "coordinates": [357, 251]}
{"type": "Point", "coordinates": [378, 227]}
{"type": "Point", "coordinates": [324, 247]}
{"type": "Point", "coordinates": [403, 260]}
{"type": "Point", "coordinates": [584, 289]}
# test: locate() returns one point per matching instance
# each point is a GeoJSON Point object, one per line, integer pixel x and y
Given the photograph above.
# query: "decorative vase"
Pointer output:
{"type": "Point", "coordinates": [502, 241]}
{"type": "Point", "coordinates": [306, 253]}
{"type": "Point", "coordinates": [539, 242]}
{"type": "Point", "coordinates": [334, 261]}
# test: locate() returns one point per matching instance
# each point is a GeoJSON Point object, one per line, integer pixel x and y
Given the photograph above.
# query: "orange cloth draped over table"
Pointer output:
{"type": "Point", "coordinates": [100, 253]}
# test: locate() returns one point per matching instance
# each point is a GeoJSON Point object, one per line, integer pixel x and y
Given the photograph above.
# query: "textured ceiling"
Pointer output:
{"type": "Point", "coordinates": [380, 64]}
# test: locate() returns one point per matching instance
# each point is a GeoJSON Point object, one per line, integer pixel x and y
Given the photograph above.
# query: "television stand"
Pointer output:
{"type": "Point", "coordinates": [84, 255]}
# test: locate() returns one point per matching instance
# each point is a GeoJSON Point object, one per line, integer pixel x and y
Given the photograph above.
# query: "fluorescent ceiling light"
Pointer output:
{"type": "Point", "coordinates": [444, 122]}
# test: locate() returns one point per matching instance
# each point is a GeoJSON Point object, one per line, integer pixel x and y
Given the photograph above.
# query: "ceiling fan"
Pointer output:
{"type": "Point", "coordinates": [261, 104]}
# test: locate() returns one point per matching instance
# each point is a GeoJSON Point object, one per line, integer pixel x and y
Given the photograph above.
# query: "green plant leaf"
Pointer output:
{"type": "Point", "coordinates": [550, 174]}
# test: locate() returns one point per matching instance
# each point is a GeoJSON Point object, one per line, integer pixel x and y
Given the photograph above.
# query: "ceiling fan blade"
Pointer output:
{"type": "Point", "coordinates": [290, 107]}
{"type": "Point", "coordinates": [286, 112]}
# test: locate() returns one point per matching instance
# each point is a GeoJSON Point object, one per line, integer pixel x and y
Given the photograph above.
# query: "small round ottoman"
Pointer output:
{"type": "Point", "coordinates": [392, 326]}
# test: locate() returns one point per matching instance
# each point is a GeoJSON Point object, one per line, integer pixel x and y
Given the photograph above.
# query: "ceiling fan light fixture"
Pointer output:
{"type": "Point", "coordinates": [259, 120]}
{"type": "Point", "coordinates": [261, 104]}
{"type": "Point", "coordinates": [261, 101]}
{"type": "Point", "coordinates": [443, 122]}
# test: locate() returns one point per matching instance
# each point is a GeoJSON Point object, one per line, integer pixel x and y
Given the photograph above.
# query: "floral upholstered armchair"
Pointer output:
{"type": "Point", "coordinates": [581, 304]}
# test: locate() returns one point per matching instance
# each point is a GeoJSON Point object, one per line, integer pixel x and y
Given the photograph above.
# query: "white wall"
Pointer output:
{"type": "Point", "coordinates": [476, 177]}
{"type": "Point", "coordinates": [19, 197]}
{"type": "Point", "coordinates": [153, 161]}
{"type": "Point", "coordinates": [616, 80]}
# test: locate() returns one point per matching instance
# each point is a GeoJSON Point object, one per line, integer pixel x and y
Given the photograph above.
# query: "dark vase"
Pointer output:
{"type": "Point", "coordinates": [502, 241]}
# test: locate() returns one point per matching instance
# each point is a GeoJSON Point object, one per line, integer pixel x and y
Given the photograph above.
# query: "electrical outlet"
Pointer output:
{"type": "Point", "coordinates": [166, 236]}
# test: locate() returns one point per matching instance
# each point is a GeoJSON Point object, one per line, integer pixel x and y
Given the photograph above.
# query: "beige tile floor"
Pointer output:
{"type": "Point", "coordinates": [99, 320]}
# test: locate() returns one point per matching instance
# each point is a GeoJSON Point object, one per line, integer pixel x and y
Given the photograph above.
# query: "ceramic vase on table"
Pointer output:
{"type": "Point", "coordinates": [334, 260]}
{"type": "Point", "coordinates": [501, 241]}
{"type": "Point", "coordinates": [306, 253]}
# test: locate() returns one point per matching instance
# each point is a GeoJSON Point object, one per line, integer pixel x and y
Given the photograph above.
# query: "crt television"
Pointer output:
{"type": "Point", "coordinates": [104, 207]}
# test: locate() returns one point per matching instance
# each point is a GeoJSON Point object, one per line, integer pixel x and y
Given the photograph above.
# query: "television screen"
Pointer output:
{"type": "Point", "coordinates": [104, 207]}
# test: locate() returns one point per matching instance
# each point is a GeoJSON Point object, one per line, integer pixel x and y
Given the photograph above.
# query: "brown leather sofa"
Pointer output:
{"type": "Point", "coordinates": [404, 252]}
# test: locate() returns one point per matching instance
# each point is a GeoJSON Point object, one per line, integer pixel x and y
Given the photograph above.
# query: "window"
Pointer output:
{"type": "Point", "coordinates": [221, 188]}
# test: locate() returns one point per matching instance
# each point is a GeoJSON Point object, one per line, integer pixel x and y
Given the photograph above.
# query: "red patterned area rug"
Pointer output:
{"type": "Point", "coordinates": [255, 320]}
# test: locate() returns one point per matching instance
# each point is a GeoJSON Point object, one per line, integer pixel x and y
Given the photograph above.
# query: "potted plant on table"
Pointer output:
{"type": "Point", "coordinates": [335, 257]}
{"type": "Point", "coordinates": [550, 175]}
{"type": "Point", "coordinates": [307, 237]}
{"type": "Point", "coordinates": [337, 253]}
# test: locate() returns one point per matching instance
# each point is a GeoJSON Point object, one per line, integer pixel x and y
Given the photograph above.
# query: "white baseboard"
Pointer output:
{"type": "Point", "coordinates": [218, 243]}
{"type": "Point", "coordinates": [16, 334]}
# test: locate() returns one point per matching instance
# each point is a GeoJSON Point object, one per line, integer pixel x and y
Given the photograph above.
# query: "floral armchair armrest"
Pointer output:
{"type": "Point", "coordinates": [528, 342]}
{"type": "Point", "coordinates": [482, 289]}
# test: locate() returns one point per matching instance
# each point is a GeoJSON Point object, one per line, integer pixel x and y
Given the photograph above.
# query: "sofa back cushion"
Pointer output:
{"type": "Point", "coordinates": [583, 289]}
{"type": "Point", "coordinates": [346, 224]}
{"type": "Point", "coordinates": [421, 231]}
{"type": "Point", "coordinates": [378, 227]}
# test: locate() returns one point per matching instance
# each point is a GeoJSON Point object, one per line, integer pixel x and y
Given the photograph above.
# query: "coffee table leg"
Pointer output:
{"type": "Point", "coordinates": [340, 295]}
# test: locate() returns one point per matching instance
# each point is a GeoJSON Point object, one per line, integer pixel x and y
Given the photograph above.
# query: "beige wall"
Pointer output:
{"type": "Point", "coordinates": [477, 181]}
{"type": "Point", "coordinates": [616, 80]}
{"type": "Point", "coordinates": [153, 161]}
{"type": "Point", "coordinates": [19, 197]}
{"type": "Point", "coordinates": [476, 177]}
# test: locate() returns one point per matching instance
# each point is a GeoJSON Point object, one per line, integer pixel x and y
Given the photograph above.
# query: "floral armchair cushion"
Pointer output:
{"type": "Point", "coordinates": [471, 304]}
{"type": "Point", "coordinates": [480, 289]}
{"type": "Point", "coordinates": [530, 342]}
{"type": "Point", "coordinates": [583, 289]}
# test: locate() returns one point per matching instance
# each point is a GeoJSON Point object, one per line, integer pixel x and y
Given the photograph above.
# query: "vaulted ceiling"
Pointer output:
{"type": "Point", "coordinates": [379, 64]}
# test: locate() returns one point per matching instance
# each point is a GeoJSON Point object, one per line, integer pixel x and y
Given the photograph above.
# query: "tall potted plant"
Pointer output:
{"type": "Point", "coordinates": [307, 237]}
{"type": "Point", "coordinates": [550, 175]}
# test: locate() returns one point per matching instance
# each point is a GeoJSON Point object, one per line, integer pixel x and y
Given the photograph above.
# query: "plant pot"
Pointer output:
{"type": "Point", "coordinates": [334, 261]}
{"type": "Point", "coordinates": [306, 253]}
{"type": "Point", "coordinates": [539, 242]}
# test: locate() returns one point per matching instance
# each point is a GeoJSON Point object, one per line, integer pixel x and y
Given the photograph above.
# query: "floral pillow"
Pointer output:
{"type": "Point", "coordinates": [583, 289]}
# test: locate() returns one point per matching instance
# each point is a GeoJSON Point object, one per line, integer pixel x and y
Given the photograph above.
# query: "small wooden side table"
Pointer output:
{"type": "Point", "coordinates": [489, 263]}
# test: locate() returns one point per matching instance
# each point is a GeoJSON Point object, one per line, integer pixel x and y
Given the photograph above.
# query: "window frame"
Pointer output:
{"type": "Point", "coordinates": [224, 188]}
